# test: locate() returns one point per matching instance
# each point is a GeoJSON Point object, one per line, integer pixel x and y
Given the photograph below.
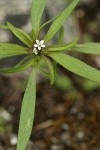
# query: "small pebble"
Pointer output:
{"type": "Point", "coordinates": [5, 115]}
{"type": "Point", "coordinates": [57, 147]}
{"type": "Point", "coordinates": [74, 110]}
{"type": "Point", "coordinates": [13, 139]}
{"type": "Point", "coordinates": [80, 115]}
{"type": "Point", "coordinates": [80, 135]}
{"type": "Point", "coordinates": [65, 126]}
{"type": "Point", "coordinates": [54, 140]}
{"type": "Point", "coordinates": [11, 108]}
{"type": "Point", "coordinates": [66, 138]}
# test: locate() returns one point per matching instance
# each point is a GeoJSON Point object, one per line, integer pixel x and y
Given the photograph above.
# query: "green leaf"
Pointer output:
{"type": "Point", "coordinates": [42, 67]}
{"type": "Point", "coordinates": [7, 50]}
{"type": "Point", "coordinates": [76, 66]}
{"type": "Point", "coordinates": [4, 27]}
{"type": "Point", "coordinates": [89, 48]}
{"type": "Point", "coordinates": [36, 14]}
{"type": "Point", "coordinates": [48, 22]}
{"type": "Point", "coordinates": [20, 34]}
{"type": "Point", "coordinates": [33, 35]}
{"type": "Point", "coordinates": [51, 68]}
{"type": "Point", "coordinates": [60, 21]}
{"type": "Point", "coordinates": [44, 73]}
{"type": "Point", "coordinates": [62, 47]}
{"type": "Point", "coordinates": [90, 86]}
{"type": "Point", "coordinates": [17, 68]}
{"type": "Point", "coordinates": [61, 36]}
{"type": "Point", "coordinates": [24, 60]}
{"type": "Point", "coordinates": [27, 113]}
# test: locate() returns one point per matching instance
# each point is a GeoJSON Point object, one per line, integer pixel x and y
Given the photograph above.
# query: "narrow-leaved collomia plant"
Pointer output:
{"type": "Point", "coordinates": [36, 50]}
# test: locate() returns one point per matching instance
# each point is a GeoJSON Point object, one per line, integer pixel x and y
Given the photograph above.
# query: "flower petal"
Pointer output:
{"type": "Point", "coordinates": [35, 51]}
{"type": "Point", "coordinates": [35, 45]}
{"type": "Point", "coordinates": [41, 42]}
{"type": "Point", "coordinates": [39, 48]}
{"type": "Point", "coordinates": [37, 41]}
{"type": "Point", "coordinates": [43, 45]}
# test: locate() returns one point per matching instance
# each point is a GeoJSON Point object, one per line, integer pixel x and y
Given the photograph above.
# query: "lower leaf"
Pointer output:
{"type": "Point", "coordinates": [76, 66]}
{"type": "Point", "coordinates": [27, 113]}
{"type": "Point", "coordinates": [17, 68]}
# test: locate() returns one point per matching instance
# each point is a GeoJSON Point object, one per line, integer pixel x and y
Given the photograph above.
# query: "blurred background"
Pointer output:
{"type": "Point", "coordinates": [67, 114]}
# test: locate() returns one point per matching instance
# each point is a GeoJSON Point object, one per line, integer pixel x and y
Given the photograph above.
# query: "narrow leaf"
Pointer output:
{"type": "Point", "coordinates": [62, 47]}
{"type": "Point", "coordinates": [7, 50]}
{"type": "Point", "coordinates": [24, 60]}
{"type": "Point", "coordinates": [50, 65]}
{"type": "Point", "coordinates": [27, 113]}
{"type": "Point", "coordinates": [76, 66]}
{"type": "Point", "coordinates": [61, 36]}
{"type": "Point", "coordinates": [42, 67]}
{"type": "Point", "coordinates": [20, 34]}
{"type": "Point", "coordinates": [59, 21]}
{"type": "Point", "coordinates": [4, 27]}
{"type": "Point", "coordinates": [44, 73]}
{"type": "Point", "coordinates": [48, 22]}
{"type": "Point", "coordinates": [33, 35]}
{"type": "Point", "coordinates": [89, 48]}
{"type": "Point", "coordinates": [36, 14]}
{"type": "Point", "coordinates": [17, 68]}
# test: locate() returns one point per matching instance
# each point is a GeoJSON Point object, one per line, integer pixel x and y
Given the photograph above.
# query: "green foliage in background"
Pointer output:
{"type": "Point", "coordinates": [37, 50]}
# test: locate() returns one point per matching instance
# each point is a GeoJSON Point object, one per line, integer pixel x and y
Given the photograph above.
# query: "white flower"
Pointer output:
{"type": "Point", "coordinates": [35, 51]}
{"type": "Point", "coordinates": [39, 44]}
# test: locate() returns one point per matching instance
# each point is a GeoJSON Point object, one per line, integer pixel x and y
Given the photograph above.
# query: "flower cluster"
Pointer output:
{"type": "Point", "coordinates": [38, 46]}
